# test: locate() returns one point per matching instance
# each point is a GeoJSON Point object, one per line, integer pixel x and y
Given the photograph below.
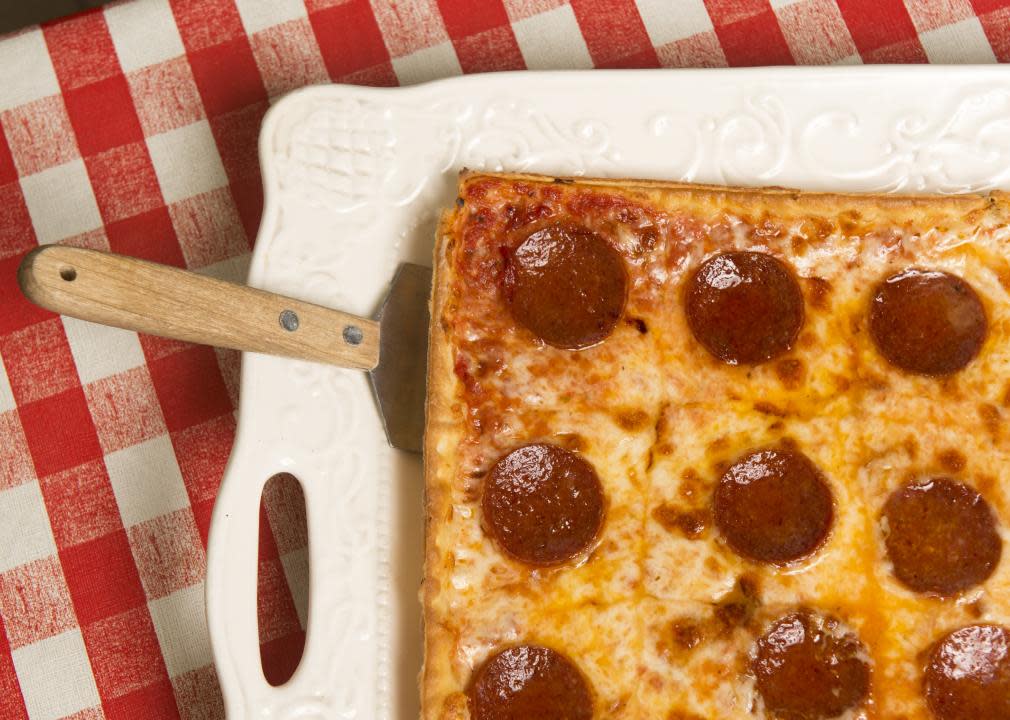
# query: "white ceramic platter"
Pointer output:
{"type": "Point", "coordinates": [355, 178]}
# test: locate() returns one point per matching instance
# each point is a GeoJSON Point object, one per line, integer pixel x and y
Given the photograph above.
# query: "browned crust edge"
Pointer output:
{"type": "Point", "coordinates": [441, 388]}
{"type": "Point", "coordinates": [810, 199]}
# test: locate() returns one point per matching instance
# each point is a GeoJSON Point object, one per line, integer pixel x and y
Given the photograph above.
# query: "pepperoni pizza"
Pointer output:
{"type": "Point", "coordinates": [701, 452]}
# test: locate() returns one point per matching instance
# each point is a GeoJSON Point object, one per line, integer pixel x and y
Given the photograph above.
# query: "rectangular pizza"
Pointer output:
{"type": "Point", "coordinates": [705, 452]}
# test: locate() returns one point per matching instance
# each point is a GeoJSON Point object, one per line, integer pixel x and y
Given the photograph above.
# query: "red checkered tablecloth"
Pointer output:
{"type": "Point", "coordinates": [134, 129]}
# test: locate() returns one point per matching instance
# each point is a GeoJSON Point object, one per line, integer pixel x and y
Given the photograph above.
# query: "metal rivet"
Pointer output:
{"type": "Point", "coordinates": [289, 320]}
{"type": "Point", "coordinates": [68, 274]}
{"type": "Point", "coordinates": [353, 335]}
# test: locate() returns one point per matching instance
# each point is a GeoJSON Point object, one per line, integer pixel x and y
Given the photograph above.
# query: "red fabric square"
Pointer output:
{"type": "Point", "coordinates": [198, 694]}
{"type": "Point", "coordinates": [190, 387]}
{"type": "Point", "coordinates": [35, 602]}
{"type": "Point", "coordinates": [124, 181]}
{"type": "Point", "coordinates": [996, 25]}
{"type": "Point", "coordinates": [202, 512]}
{"type": "Point", "coordinates": [12, 705]}
{"type": "Point", "coordinates": [464, 17]}
{"type": "Point", "coordinates": [17, 236]}
{"type": "Point", "coordinates": [18, 312]}
{"type": "Point", "coordinates": [230, 362]}
{"type": "Point", "coordinates": [381, 75]}
{"type": "Point", "coordinates": [987, 6]}
{"type": "Point", "coordinates": [494, 49]}
{"type": "Point", "coordinates": [125, 409]}
{"type": "Point", "coordinates": [349, 38]}
{"type": "Point", "coordinates": [81, 49]}
{"type": "Point", "coordinates": [268, 551]}
{"type": "Point", "coordinates": [285, 506]}
{"type": "Point", "coordinates": [756, 40]}
{"type": "Point", "coordinates": [203, 23]}
{"type": "Point", "coordinates": [94, 239]}
{"type": "Point", "coordinates": [202, 452]}
{"type": "Point", "coordinates": [726, 12]}
{"type": "Point", "coordinates": [166, 96]}
{"type": "Point", "coordinates": [158, 347]}
{"type": "Point", "coordinates": [613, 30]}
{"type": "Point", "coordinates": [15, 461]}
{"type": "Point", "coordinates": [103, 115]}
{"type": "Point", "coordinates": [80, 504]}
{"type": "Point", "coordinates": [227, 77]}
{"type": "Point", "coordinates": [237, 138]}
{"type": "Point", "coordinates": [8, 173]}
{"type": "Point", "coordinates": [154, 702]}
{"type": "Point", "coordinates": [102, 577]}
{"type": "Point", "coordinates": [60, 432]}
{"type": "Point", "coordinates": [907, 51]}
{"type": "Point", "coordinates": [124, 652]}
{"type": "Point", "coordinates": [149, 235]}
{"type": "Point", "coordinates": [280, 657]}
{"type": "Point", "coordinates": [209, 228]}
{"type": "Point", "coordinates": [288, 57]}
{"type": "Point", "coordinates": [275, 608]}
{"type": "Point", "coordinates": [40, 135]}
{"type": "Point", "coordinates": [169, 553]}
{"type": "Point", "coordinates": [38, 361]}
{"type": "Point", "coordinates": [874, 25]}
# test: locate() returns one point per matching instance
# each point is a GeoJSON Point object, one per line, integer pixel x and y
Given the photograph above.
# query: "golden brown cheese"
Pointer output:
{"type": "Point", "coordinates": [661, 615]}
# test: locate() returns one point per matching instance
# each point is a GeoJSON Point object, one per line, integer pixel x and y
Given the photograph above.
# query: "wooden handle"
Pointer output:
{"type": "Point", "coordinates": [160, 300]}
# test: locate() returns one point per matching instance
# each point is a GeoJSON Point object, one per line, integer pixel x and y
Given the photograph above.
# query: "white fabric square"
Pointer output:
{"type": "Point", "coordinates": [180, 620]}
{"type": "Point", "coordinates": [260, 14]}
{"type": "Point", "coordinates": [146, 480]}
{"type": "Point", "coordinates": [776, 4]}
{"type": "Point", "coordinates": [431, 63]}
{"type": "Point", "coordinates": [101, 351]}
{"type": "Point", "coordinates": [234, 269]}
{"type": "Point", "coordinates": [186, 161]}
{"type": "Point", "coordinates": [55, 676]}
{"type": "Point", "coordinates": [962, 42]}
{"type": "Point", "coordinates": [143, 33]}
{"type": "Point", "coordinates": [552, 41]}
{"type": "Point", "coordinates": [25, 534]}
{"type": "Point", "coordinates": [666, 22]}
{"type": "Point", "coordinates": [60, 201]}
{"type": "Point", "coordinates": [6, 396]}
{"type": "Point", "coordinates": [26, 70]}
{"type": "Point", "coordinates": [296, 570]}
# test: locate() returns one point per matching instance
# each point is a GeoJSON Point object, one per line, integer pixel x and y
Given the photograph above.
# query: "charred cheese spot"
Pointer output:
{"type": "Point", "coordinates": [992, 418]}
{"type": "Point", "coordinates": [790, 372]}
{"type": "Point", "coordinates": [951, 460]}
{"type": "Point", "coordinates": [691, 523]}
{"type": "Point", "coordinates": [818, 292]}
{"type": "Point", "coordinates": [632, 419]}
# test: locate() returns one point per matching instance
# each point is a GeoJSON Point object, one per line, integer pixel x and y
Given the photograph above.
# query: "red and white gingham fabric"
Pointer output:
{"type": "Point", "coordinates": [133, 128]}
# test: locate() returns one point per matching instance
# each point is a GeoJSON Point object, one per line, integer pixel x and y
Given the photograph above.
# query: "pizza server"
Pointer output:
{"type": "Point", "coordinates": [138, 295]}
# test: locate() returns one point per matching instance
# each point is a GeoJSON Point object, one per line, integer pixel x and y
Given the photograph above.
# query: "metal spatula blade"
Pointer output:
{"type": "Point", "coordinates": [160, 300]}
{"type": "Point", "coordinates": [400, 378]}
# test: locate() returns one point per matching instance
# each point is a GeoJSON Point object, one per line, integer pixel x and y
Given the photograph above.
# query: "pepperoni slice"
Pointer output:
{"type": "Point", "coordinates": [543, 504]}
{"type": "Point", "coordinates": [808, 667]}
{"type": "Point", "coordinates": [968, 675]}
{"type": "Point", "coordinates": [940, 536]}
{"type": "Point", "coordinates": [774, 506]}
{"type": "Point", "coordinates": [927, 322]}
{"type": "Point", "coordinates": [529, 681]}
{"type": "Point", "coordinates": [744, 307]}
{"type": "Point", "coordinates": [567, 285]}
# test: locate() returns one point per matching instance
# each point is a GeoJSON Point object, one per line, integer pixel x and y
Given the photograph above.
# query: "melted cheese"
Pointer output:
{"type": "Point", "coordinates": [660, 419]}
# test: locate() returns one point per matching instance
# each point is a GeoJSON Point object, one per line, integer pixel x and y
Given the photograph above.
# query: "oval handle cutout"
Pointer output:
{"type": "Point", "coordinates": [282, 588]}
